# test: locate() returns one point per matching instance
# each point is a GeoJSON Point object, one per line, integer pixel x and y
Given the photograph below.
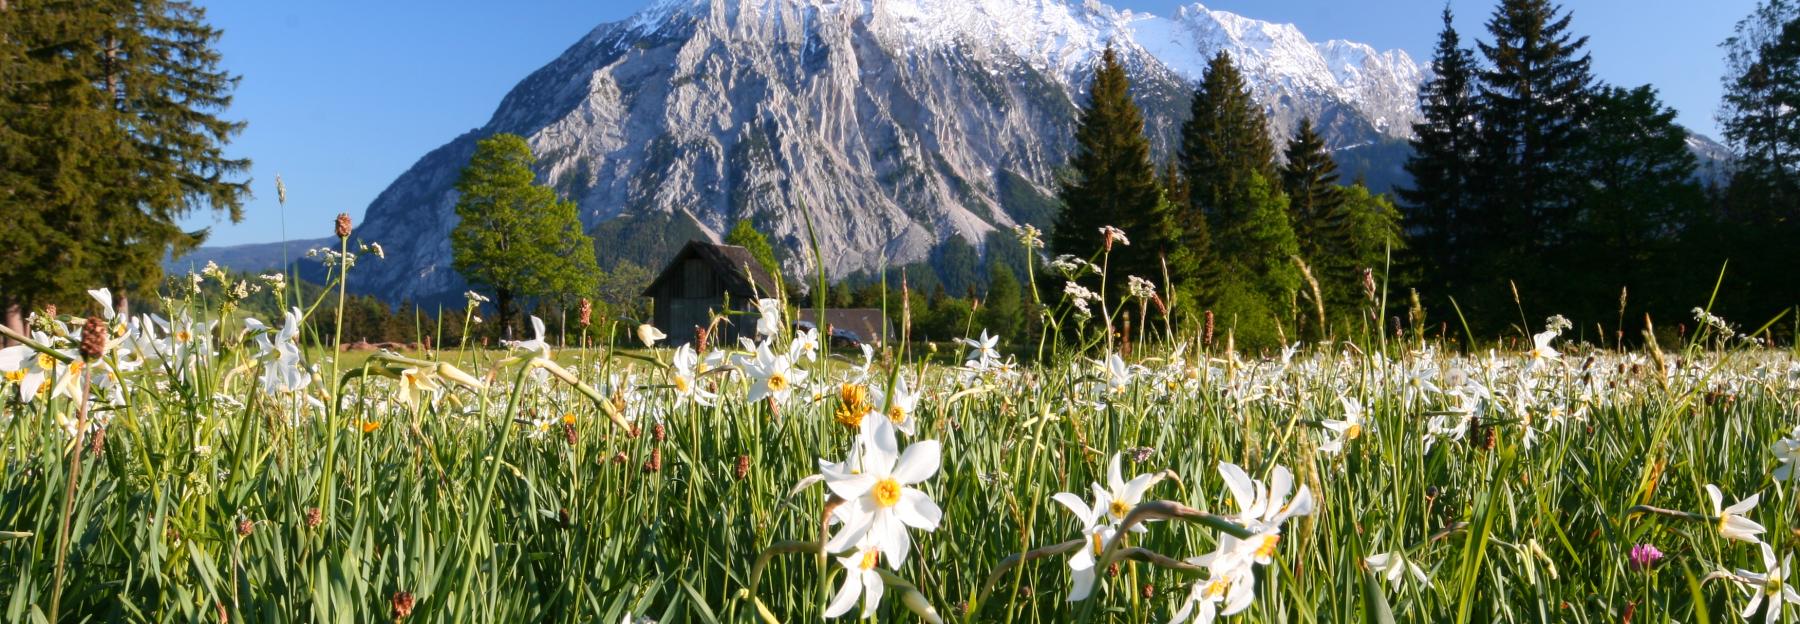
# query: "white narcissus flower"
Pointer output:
{"type": "Point", "coordinates": [683, 377]}
{"type": "Point", "coordinates": [860, 579]}
{"type": "Point", "coordinates": [1095, 533]}
{"type": "Point", "coordinates": [1769, 590]}
{"type": "Point", "coordinates": [536, 344]}
{"type": "Point", "coordinates": [1541, 350]}
{"type": "Point", "coordinates": [879, 502]}
{"type": "Point", "coordinates": [1229, 587]}
{"type": "Point", "coordinates": [283, 371]}
{"type": "Point", "coordinates": [805, 345]}
{"type": "Point", "coordinates": [417, 387]}
{"type": "Point", "coordinates": [1394, 567]}
{"type": "Point", "coordinates": [768, 322]}
{"type": "Point", "coordinates": [649, 335]}
{"type": "Point", "coordinates": [901, 405]}
{"type": "Point", "coordinates": [771, 375]}
{"type": "Point", "coordinates": [104, 297]}
{"type": "Point", "coordinates": [1119, 497]}
{"type": "Point", "coordinates": [1730, 521]}
{"type": "Point", "coordinates": [1118, 374]}
{"type": "Point", "coordinates": [1262, 508]}
{"type": "Point", "coordinates": [1349, 428]}
{"type": "Point", "coordinates": [1787, 452]}
{"type": "Point", "coordinates": [26, 367]}
{"type": "Point", "coordinates": [983, 353]}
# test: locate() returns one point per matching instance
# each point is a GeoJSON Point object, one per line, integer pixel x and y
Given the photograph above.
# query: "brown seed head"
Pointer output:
{"type": "Point", "coordinates": [585, 314]}
{"type": "Point", "coordinates": [313, 518]}
{"type": "Point", "coordinates": [743, 467]}
{"type": "Point", "coordinates": [654, 464]}
{"type": "Point", "coordinates": [658, 433]}
{"type": "Point", "coordinates": [343, 225]}
{"type": "Point", "coordinates": [245, 527]}
{"type": "Point", "coordinates": [93, 338]}
{"type": "Point", "coordinates": [403, 604]}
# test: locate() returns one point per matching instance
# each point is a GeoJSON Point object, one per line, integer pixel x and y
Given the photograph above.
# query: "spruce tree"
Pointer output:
{"type": "Point", "coordinates": [1309, 177]}
{"type": "Point", "coordinates": [1224, 146]}
{"type": "Point", "coordinates": [1112, 182]}
{"type": "Point", "coordinates": [1225, 140]}
{"type": "Point", "coordinates": [164, 89]}
{"type": "Point", "coordinates": [1534, 101]}
{"type": "Point", "coordinates": [111, 134]}
{"type": "Point", "coordinates": [1253, 240]}
{"type": "Point", "coordinates": [1438, 202]}
{"type": "Point", "coordinates": [513, 235]}
{"type": "Point", "coordinates": [1761, 216]}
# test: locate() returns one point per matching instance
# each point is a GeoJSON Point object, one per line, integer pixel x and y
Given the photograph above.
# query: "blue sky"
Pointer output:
{"type": "Point", "coordinates": [341, 97]}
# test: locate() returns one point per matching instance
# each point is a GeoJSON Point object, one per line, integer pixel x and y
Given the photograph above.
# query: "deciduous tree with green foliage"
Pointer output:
{"type": "Point", "coordinates": [515, 236]}
{"type": "Point", "coordinates": [743, 234]}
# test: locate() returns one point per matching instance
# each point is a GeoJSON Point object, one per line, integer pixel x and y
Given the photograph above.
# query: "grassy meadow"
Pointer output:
{"type": "Point", "coordinates": [179, 471]}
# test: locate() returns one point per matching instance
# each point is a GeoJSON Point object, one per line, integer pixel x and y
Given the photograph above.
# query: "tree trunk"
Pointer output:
{"type": "Point", "coordinates": [121, 300]}
{"type": "Point", "coordinates": [13, 315]}
{"type": "Point", "coordinates": [503, 299]}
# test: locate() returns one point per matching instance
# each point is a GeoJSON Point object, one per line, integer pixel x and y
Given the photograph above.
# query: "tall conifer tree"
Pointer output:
{"type": "Point", "coordinates": [1112, 181]}
{"type": "Point", "coordinates": [1310, 179]}
{"type": "Point", "coordinates": [1534, 105]}
{"type": "Point", "coordinates": [1437, 204]}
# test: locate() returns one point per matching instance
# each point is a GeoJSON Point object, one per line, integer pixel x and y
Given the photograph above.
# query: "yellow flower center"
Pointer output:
{"type": "Point", "coordinates": [15, 376]}
{"type": "Point", "coordinates": [896, 414]}
{"type": "Point", "coordinates": [869, 558]}
{"type": "Point", "coordinates": [1118, 509]}
{"type": "Point", "coordinates": [1267, 548]}
{"type": "Point", "coordinates": [778, 382]}
{"type": "Point", "coordinates": [681, 384]}
{"type": "Point", "coordinates": [369, 426]}
{"type": "Point", "coordinates": [1216, 588]}
{"type": "Point", "coordinates": [1099, 543]}
{"type": "Point", "coordinates": [569, 419]}
{"type": "Point", "coordinates": [45, 362]}
{"type": "Point", "coordinates": [886, 492]}
{"type": "Point", "coordinates": [183, 336]}
{"type": "Point", "coordinates": [1353, 431]}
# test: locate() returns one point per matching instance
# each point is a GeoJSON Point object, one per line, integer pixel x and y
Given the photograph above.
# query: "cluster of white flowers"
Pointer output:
{"type": "Point", "coordinates": [332, 258]}
{"type": "Point", "coordinates": [1072, 267]}
{"type": "Point", "coordinates": [1079, 296]}
{"type": "Point", "coordinates": [1140, 288]}
{"type": "Point", "coordinates": [1029, 236]}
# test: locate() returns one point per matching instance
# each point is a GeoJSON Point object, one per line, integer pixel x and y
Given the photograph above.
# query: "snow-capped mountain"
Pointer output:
{"type": "Point", "coordinates": [894, 124]}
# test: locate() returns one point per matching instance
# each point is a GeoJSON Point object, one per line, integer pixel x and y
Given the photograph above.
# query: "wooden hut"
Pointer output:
{"type": "Point", "coordinates": [704, 278]}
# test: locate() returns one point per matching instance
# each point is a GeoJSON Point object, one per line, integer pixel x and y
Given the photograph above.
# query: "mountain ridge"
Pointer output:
{"type": "Point", "coordinates": [888, 126]}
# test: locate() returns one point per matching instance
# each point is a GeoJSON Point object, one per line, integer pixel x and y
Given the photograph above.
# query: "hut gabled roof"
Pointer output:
{"type": "Point", "coordinates": [736, 269]}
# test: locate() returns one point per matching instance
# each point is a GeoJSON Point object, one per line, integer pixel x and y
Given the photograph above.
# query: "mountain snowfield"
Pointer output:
{"type": "Point", "coordinates": [891, 125]}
